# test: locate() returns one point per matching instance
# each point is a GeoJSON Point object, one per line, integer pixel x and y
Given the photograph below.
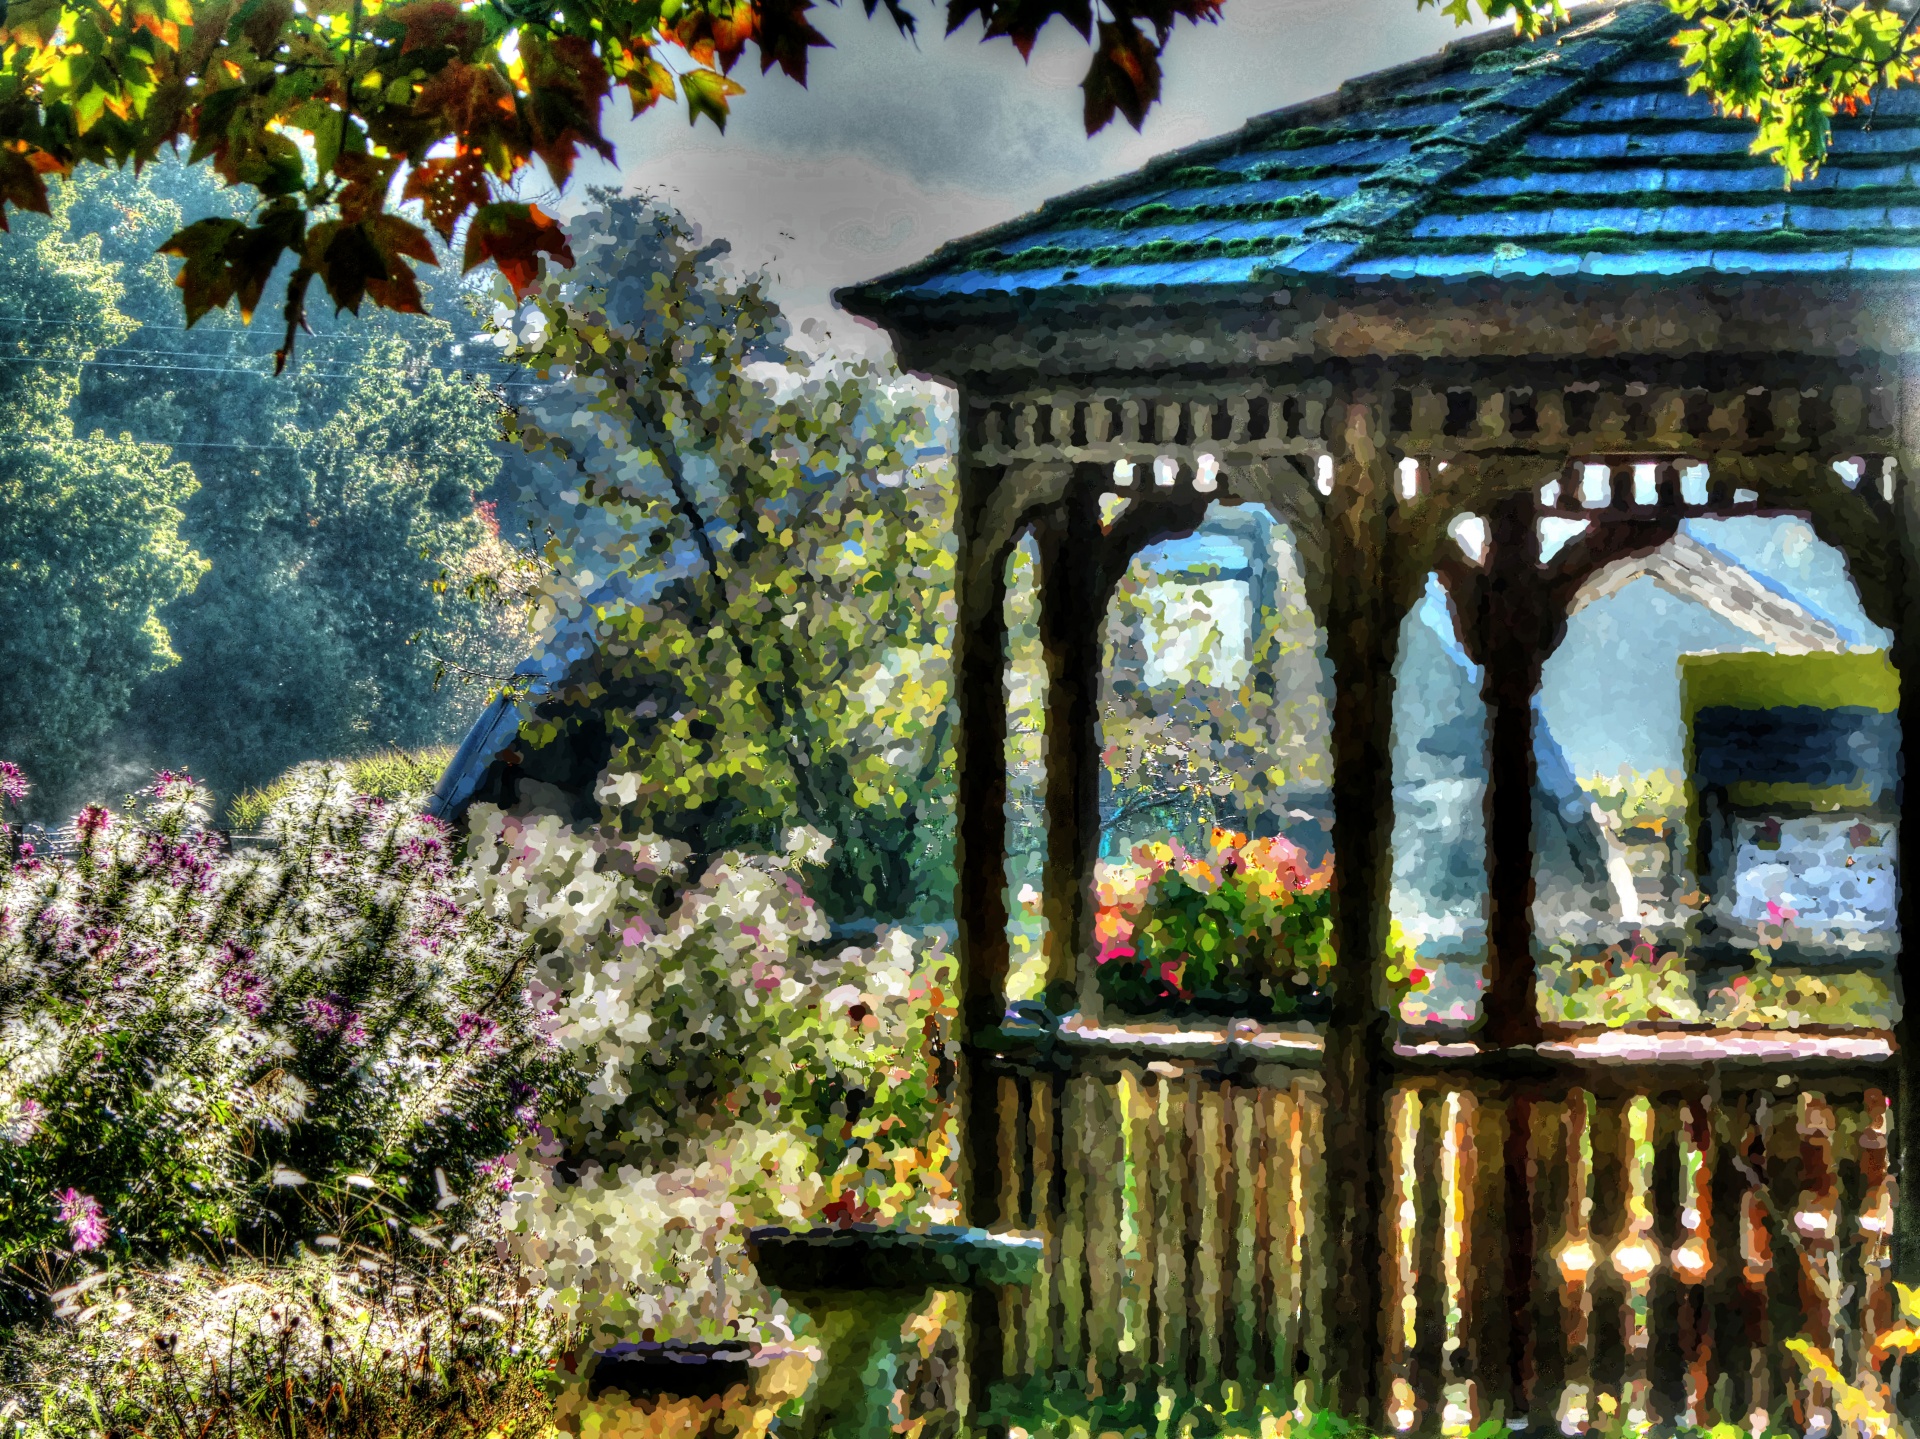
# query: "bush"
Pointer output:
{"type": "Point", "coordinates": [202, 1053]}
{"type": "Point", "coordinates": [378, 1340]}
{"type": "Point", "coordinates": [733, 1069]}
{"type": "Point", "coordinates": [389, 774]}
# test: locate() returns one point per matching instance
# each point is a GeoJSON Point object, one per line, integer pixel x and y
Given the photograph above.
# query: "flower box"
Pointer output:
{"type": "Point", "coordinates": [1244, 931]}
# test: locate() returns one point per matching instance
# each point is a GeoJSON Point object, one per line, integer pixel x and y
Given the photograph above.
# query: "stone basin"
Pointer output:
{"type": "Point", "coordinates": [857, 1285]}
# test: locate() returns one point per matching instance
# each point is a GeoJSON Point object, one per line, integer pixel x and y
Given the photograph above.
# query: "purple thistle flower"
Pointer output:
{"type": "Point", "coordinates": [86, 1225]}
{"type": "Point", "coordinates": [323, 1016]}
{"type": "Point", "coordinates": [479, 1032]}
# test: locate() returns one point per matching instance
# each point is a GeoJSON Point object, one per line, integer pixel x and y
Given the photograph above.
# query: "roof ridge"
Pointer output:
{"type": "Point", "coordinates": [1398, 191]}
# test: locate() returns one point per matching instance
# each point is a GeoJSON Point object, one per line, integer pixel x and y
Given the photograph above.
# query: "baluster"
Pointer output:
{"type": "Point", "coordinates": [1104, 1178]}
{"type": "Point", "coordinates": [1170, 1253]}
{"type": "Point", "coordinates": [1694, 1262]}
{"type": "Point", "coordinates": [1136, 1332]}
{"type": "Point", "coordinates": [1247, 1209]}
{"type": "Point", "coordinates": [1011, 1299]}
{"type": "Point", "coordinates": [1498, 1257]}
{"type": "Point", "coordinates": [1756, 1257]}
{"type": "Point", "coordinates": [1073, 1227]}
{"type": "Point", "coordinates": [1309, 1199]}
{"type": "Point", "coordinates": [1433, 1200]}
{"type": "Point", "coordinates": [1456, 1177]}
{"type": "Point", "coordinates": [1876, 1232]}
{"type": "Point", "coordinates": [1049, 1198]}
{"type": "Point", "coordinates": [1284, 1256]}
{"type": "Point", "coordinates": [1547, 1148]}
{"type": "Point", "coordinates": [1403, 1125]}
{"type": "Point", "coordinates": [1816, 1216]}
{"type": "Point", "coordinates": [1666, 1361]}
{"type": "Point", "coordinates": [1635, 1257]}
{"type": "Point", "coordinates": [1210, 1152]}
{"type": "Point", "coordinates": [1577, 1259]}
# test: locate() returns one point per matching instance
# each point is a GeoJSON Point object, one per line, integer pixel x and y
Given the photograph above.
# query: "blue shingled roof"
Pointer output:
{"type": "Point", "coordinates": [1579, 153]}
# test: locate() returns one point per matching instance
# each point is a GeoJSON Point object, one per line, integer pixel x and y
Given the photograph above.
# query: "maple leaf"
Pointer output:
{"type": "Point", "coordinates": [1124, 76]}
{"type": "Point", "coordinates": [434, 25]}
{"type": "Point", "coordinates": [647, 80]}
{"type": "Point", "coordinates": [707, 92]}
{"type": "Point", "coordinates": [513, 236]}
{"type": "Point", "coordinates": [369, 258]}
{"type": "Point", "coordinates": [21, 166]}
{"type": "Point", "coordinates": [225, 259]}
{"type": "Point", "coordinates": [367, 177]}
{"type": "Point", "coordinates": [449, 187]}
{"type": "Point", "coordinates": [786, 35]}
{"type": "Point", "coordinates": [476, 104]}
{"type": "Point", "coordinates": [566, 84]}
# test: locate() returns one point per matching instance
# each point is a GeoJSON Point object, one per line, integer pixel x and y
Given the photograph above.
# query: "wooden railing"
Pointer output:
{"type": "Point", "coordinates": [1617, 1224]}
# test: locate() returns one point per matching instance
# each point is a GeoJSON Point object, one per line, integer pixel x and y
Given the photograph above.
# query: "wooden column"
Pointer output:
{"type": "Point", "coordinates": [980, 842]}
{"type": "Point", "coordinates": [1362, 623]}
{"type": "Point", "coordinates": [1073, 607]}
{"type": "Point", "coordinates": [1906, 659]}
{"type": "Point", "coordinates": [1513, 630]}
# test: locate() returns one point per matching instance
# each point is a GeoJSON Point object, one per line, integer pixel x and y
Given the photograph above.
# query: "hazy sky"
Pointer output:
{"type": "Point", "coordinates": [894, 148]}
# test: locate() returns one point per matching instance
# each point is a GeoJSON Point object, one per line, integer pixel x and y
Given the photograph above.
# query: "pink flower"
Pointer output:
{"type": "Point", "coordinates": [86, 1225]}
{"type": "Point", "coordinates": [479, 1031]}
{"type": "Point", "coordinates": [499, 1169]}
{"type": "Point", "coordinates": [1779, 913]}
{"type": "Point", "coordinates": [331, 1016]}
{"type": "Point", "coordinates": [92, 820]}
{"type": "Point", "coordinates": [13, 784]}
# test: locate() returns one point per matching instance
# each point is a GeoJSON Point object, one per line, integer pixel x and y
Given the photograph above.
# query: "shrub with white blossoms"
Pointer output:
{"type": "Point", "coordinates": [734, 1067]}
{"type": "Point", "coordinates": [196, 1045]}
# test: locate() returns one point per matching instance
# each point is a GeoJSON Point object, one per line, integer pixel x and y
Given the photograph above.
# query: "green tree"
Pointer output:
{"type": "Point", "coordinates": [91, 549]}
{"type": "Point", "coordinates": [335, 508]}
{"type": "Point", "coordinates": [749, 555]}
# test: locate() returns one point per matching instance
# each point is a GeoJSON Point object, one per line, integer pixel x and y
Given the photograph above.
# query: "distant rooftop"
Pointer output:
{"type": "Point", "coordinates": [1581, 153]}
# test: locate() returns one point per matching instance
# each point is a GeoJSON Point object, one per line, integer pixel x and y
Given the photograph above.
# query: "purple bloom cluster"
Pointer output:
{"type": "Point", "coordinates": [499, 1170]}
{"type": "Point", "coordinates": [13, 784]}
{"type": "Point", "coordinates": [240, 984]}
{"type": "Point", "coordinates": [330, 1016]}
{"type": "Point", "coordinates": [86, 1225]}
{"type": "Point", "coordinates": [479, 1032]}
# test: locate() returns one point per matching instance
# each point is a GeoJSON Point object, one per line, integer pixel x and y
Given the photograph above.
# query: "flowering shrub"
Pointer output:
{"type": "Point", "coordinates": [1246, 930]}
{"type": "Point", "coordinates": [194, 1044]}
{"type": "Point", "coordinates": [732, 1069]}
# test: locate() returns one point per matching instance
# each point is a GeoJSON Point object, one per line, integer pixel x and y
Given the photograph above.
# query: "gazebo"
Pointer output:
{"type": "Point", "coordinates": [1447, 292]}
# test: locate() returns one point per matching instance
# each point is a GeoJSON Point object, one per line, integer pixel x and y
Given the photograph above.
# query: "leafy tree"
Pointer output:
{"type": "Point", "coordinates": [464, 97]}
{"type": "Point", "coordinates": [91, 549]}
{"type": "Point", "coordinates": [335, 508]}
{"type": "Point", "coordinates": [755, 567]}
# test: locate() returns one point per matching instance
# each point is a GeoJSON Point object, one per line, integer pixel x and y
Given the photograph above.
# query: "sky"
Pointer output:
{"type": "Point", "coordinates": [895, 147]}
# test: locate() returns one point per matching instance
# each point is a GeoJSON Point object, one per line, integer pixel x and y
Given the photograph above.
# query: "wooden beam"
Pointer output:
{"type": "Point", "coordinates": [1906, 1058]}
{"type": "Point", "coordinates": [1362, 624]}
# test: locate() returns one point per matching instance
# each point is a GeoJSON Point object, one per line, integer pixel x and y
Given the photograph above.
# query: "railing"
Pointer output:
{"type": "Point", "coordinates": [1622, 1225]}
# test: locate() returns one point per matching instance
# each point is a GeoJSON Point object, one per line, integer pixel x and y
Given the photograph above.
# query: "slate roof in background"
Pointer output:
{"type": "Point", "coordinates": [1580, 153]}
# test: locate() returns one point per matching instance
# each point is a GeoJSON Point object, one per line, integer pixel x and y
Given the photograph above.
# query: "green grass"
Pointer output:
{"type": "Point", "coordinates": [385, 774]}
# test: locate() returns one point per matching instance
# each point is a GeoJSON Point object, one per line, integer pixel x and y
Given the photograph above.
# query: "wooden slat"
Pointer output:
{"type": "Point", "coordinates": [1208, 1275]}
{"type": "Point", "coordinates": [1170, 1249]}
{"type": "Point", "coordinates": [1246, 1228]}
{"type": "Point", "coordinates": [1136, 1329]}
{"type": "Point", "coordinates": [1283, 1222]}
{"type": "Point", "coordinates": [1073, 1227]}
{"type": "Point", "coordinates": [1049, 1198]}
{"type": "Point", "coordinates": [1105, 1253]}
{"type": "Point", "coordinates": [1014, 1148]}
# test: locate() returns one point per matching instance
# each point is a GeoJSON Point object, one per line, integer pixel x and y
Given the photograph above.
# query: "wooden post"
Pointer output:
{"type": "Point", "coordinates": [1514, 631]}
{"type": "Point", "coordinates": [1073, 606]}
{"type": "Point", "coordinates": [1906, 659]}
{"type": "Point", "coordinates": [1362, 623]}
{"type": "Point", "coordinates": [980, 906]}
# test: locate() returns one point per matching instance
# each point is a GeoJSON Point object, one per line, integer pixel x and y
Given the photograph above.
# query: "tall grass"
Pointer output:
{"type": "Point", "coordinates": [385, 774]}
